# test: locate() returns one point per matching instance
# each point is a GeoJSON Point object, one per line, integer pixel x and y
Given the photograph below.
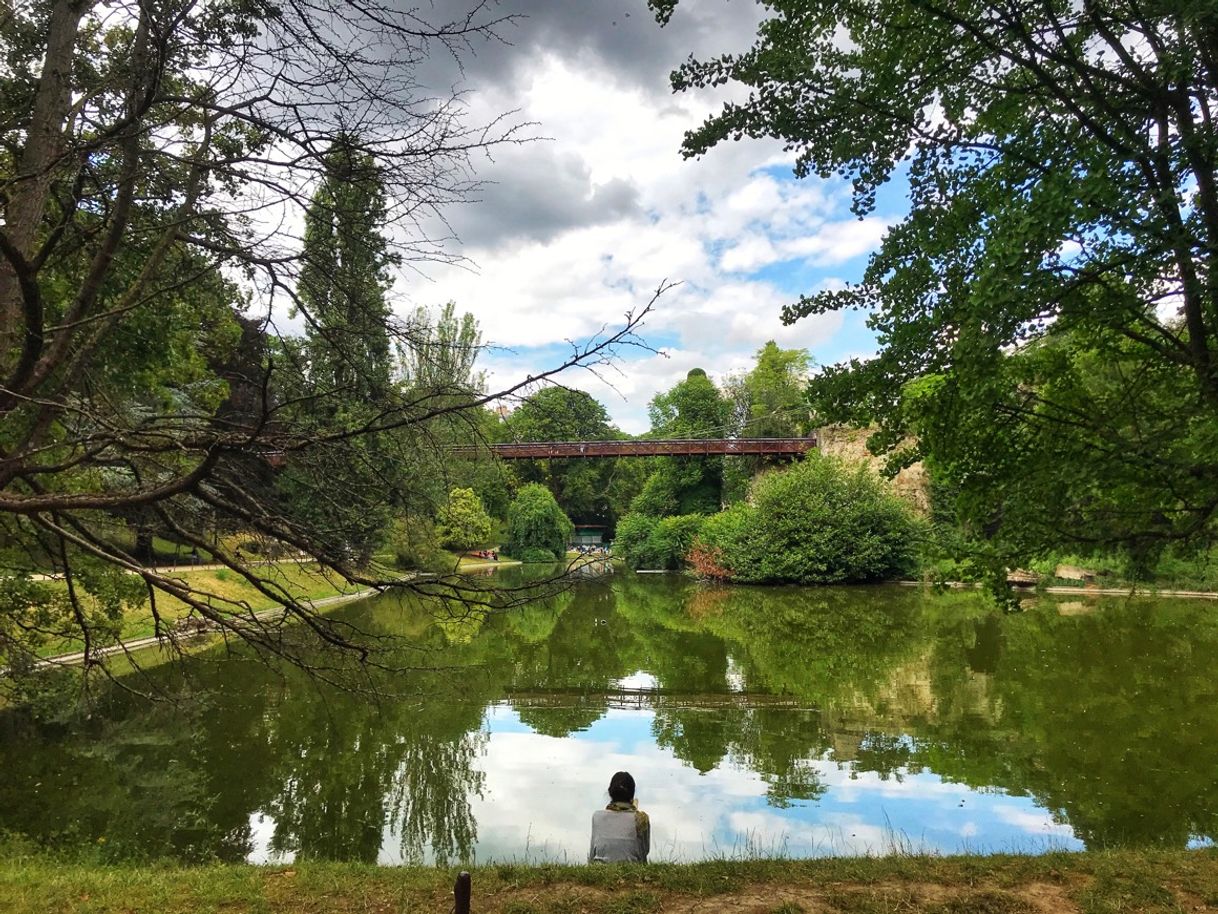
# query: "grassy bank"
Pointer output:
{"type": "Point", "coordinates": [304, 581]}
{"type": "Point", "coordinates": [1092, 883]}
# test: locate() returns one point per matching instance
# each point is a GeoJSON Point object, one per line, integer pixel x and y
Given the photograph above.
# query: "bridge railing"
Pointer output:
{"type": "Point", "coordinates": [655, 447]}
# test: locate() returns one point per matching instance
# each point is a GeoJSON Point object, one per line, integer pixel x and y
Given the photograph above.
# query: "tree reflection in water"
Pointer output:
{"type": "Point", "coordinates": [1108, 719]}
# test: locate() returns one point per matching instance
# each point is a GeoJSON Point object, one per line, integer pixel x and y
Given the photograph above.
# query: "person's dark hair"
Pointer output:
{"type": "Point", "coordinates": [621, 787]}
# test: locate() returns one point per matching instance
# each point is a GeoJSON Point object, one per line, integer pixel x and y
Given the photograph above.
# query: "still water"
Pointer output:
{"type": "Point", "coordinates": [788, 721]}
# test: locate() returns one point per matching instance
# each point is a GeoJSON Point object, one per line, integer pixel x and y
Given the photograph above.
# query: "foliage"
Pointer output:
{"type": "Point", "coordinates": [645, 541]}
{"type": "Point", "coordinates": [536, 522]}
{"type": "Point", "coordinates": [769, 401]}
{"type": "Point", "coordinates": [589, 491]}
{"type": "Point", "coordinates": [345, 275]}
{"type": "Point", "coordinates": [820, 522]}
{"type": "Point", "coordinates": [1047, 311]}
{"type": "Point", "coordinates": [150, 159]}
{"type": "Point", "coordinates": [693, 408]}
{"type": "Point", "coordinates": [776, 391]}
{"type": "Point", "coordinates": [463, 522]}
{"type": "Point", "coordinates": [630, 539]}
{"type": "Point", "coordinates": [439, 352]}
{"type": "Point", "coordinates": [536, 555]}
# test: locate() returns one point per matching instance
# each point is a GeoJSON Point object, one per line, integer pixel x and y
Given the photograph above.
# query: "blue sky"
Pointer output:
{"type": "Point", "coordinates": [540, 793]}
{"type": "Point", "coordinates": [573, 230]}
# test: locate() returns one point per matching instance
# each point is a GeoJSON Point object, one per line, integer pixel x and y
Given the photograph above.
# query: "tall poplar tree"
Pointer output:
{"type": "Point", "coordinates": [345, 276]}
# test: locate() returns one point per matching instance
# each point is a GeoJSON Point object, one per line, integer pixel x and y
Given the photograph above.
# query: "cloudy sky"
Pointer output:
{"type": "Point", "coordinates": [582, 226]}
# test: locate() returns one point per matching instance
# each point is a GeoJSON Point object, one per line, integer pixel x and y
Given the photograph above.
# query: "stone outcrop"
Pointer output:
{"type": "Point", "coordinates": [850, 444]}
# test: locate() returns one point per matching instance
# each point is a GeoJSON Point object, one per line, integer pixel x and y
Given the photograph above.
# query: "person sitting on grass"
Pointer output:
{"type": "Point", "coordinates": [621, 832]}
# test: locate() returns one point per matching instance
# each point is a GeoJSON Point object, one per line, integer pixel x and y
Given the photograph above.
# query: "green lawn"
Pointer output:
{"type": "Point", "coordinates": [1090, 883]}
{"type": "Point", "coordinates": [304, 581]}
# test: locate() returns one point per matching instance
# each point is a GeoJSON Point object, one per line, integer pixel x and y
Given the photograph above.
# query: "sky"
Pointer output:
{"type": "Point", "coordinates": [577, 228]}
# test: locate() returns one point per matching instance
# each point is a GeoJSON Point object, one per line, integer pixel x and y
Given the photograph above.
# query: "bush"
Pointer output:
{"type": "Point", "coordinates": [644, 541]}
{"type": "Point", "coordinates": [463, 522]}
{"type": "Point", "coordinates": [533, 554]}
{"type": "Point", "coordinates": [820, 522]}
{"type": "Point", "coordinates": [630, 537]}
{"type": "Point", "coordinates": [536, 522]}
{"type": "Point", "coordinates": [672, 538]}
{"type": "Point", "coordinates": [722, 535]}
{"type": "Point", "coordinates": [412, 539]}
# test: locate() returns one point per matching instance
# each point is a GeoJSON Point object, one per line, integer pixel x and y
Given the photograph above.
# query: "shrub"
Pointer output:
{"type": "Point", "coordinates": [820, 522]}
{"type": "Point", "coordinates": [534, 554]}
{"type": "Point", "coordinates": [644, 541]}
{"type": "Point", "coordinates": [630, 538]}
{"type": "Point", "coordinates": [672, 538]}
{"type": "Point", "coordinates": [535, 521]}
{"type": "Point", "coordinates": [463, 522]}
{"type": "Point", "coordinates": [722, 535]}
{"type": "Point", "coordinates": [412, 539]}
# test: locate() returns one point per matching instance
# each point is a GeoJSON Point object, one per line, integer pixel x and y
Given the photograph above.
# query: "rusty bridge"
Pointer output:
{"type": "Point", "coordinates": [655, 447]}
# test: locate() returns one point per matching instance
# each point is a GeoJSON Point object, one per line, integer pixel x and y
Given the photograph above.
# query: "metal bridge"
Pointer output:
{"type": "Point", "coordinates": [655, 447]}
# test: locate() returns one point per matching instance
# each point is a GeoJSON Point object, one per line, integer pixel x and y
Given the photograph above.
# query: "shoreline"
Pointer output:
{"type": "Point", "coordinates": [1058, 881]}
{"type": "Point", "coordinates": [1082, 591]}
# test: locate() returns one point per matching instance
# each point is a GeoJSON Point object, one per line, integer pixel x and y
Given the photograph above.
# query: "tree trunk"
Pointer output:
{"type": "Point", "coordinates": [44, 141]}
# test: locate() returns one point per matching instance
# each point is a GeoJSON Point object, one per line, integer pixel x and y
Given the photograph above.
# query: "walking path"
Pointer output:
{"type": "Point", "coordinates": [177, 569]}
{"type": "Point", "coordinates": [1091, 591]}
{"type": "Point", "coordinates": [136, 644]}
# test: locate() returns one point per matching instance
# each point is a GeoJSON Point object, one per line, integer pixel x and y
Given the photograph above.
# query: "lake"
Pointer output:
{"type": "Point", "coordinates": [757, 722]}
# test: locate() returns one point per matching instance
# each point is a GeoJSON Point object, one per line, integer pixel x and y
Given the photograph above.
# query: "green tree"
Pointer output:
{"type": "Point", "coordinates": [770, 401]}
{"type": "Point", "coordinates": [438, 355]}
{"type": "Point", "coordinates": [777, 394]}
{"type": "Point", "coordinates": [439, 352]}
{"type": "Point", "coordinates": [537, 529]}
{"type": "Point", "coordinates": [582, 487]}
{"type": "Point", "coordinates": [344, 278]}
{"type": "Point", "coordinates": [463, 522]}
{"type": "Point", "coordinates": [693, 408]}
{"type": "Point", "coordinates": [1063, 220]}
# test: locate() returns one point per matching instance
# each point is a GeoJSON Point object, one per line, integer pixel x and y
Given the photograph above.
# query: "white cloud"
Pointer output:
{"type": "Point", "coordinates": [611, 210]}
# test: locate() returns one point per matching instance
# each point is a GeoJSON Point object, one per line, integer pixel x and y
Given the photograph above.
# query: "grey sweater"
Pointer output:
{"type": "Point", "coordinates": [620, 834]}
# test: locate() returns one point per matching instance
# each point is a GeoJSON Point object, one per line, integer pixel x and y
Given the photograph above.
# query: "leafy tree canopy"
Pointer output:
{"type": "Point", "coordinates": [694, 408]}
{"type": "Point", "coordinates": [1047, 311]}
{"type": "Point", "coordinates": [590, 491]}
{"type": "Point", "coordinates": [439, 351]}
{"type": "Point", "coordinates": [777, 393]}
{"type": "Point", "coordinates": [560, 414]}
{"type": "Point", "coordinates": [537, 528]}
{"type": "Point", "coordinates": [463, 522]}
{"type": "Point", "coordinates": [344, 277]}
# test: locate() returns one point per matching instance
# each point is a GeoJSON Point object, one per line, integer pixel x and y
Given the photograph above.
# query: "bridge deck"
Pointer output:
{"type": "Point", "coordinates": [656, 447]}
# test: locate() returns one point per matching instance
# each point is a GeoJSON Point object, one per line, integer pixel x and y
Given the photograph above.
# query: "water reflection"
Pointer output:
{"type": "Point", "coordinates": [799, 721]}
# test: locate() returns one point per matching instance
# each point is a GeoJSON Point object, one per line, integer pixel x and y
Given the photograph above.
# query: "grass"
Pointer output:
{"type": "Point", "coordinates": [304, 581]}
{"type": "Point", "coordinates": [1088, 883]}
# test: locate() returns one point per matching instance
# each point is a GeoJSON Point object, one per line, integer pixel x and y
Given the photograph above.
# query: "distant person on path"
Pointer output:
{"type": "Point", "coordinates": [621, 832]}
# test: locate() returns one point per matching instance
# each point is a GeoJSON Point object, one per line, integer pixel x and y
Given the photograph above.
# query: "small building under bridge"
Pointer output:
{"type": "Point", "coordinates": [589, 535]}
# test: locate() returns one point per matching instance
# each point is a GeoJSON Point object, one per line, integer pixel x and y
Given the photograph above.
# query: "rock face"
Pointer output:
{"type": "Point", "coordinates": [850, 444]}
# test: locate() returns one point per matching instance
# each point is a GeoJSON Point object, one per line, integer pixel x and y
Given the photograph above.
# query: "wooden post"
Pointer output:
{"type": "Point", "coordinates": [461, 893]}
